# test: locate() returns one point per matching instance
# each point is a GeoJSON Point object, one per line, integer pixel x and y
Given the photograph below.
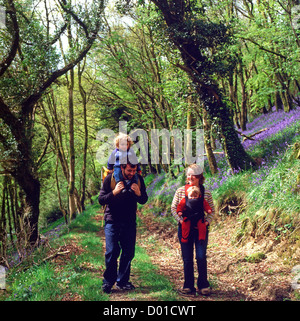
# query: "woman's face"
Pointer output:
{"type": "Point", "coordinates": [191, 178]}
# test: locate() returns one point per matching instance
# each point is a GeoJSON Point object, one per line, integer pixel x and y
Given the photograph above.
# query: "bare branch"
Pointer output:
{"type": "Point", "coordinates": [75, 17]}
{"type": "Point", "coordinates": [15, 42]}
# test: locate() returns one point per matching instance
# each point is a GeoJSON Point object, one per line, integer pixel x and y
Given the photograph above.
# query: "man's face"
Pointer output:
{"type": "Point", "coordinates": [128, 172]}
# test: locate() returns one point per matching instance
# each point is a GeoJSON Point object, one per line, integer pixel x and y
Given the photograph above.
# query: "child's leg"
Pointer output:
{"type": "Point", "coordinates": [201, 230]}
{"type": "Point", "coordinates": [185, 227]}
{"type": "Point", "coordinates": [118, 174]}
{"type": "Point", "coordinates": [134, 180]}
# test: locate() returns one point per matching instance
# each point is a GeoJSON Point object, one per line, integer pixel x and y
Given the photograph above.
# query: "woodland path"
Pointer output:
{"type": "Point", "coordinates": [231, 275]}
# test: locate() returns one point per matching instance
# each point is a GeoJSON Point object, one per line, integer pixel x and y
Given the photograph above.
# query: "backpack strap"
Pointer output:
{"type": "Point", "coordinates": [202, 190]}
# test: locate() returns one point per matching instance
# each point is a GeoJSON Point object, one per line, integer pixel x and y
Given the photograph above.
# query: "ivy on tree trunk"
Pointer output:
{"type": "Point", "coordinates": [193, 36]}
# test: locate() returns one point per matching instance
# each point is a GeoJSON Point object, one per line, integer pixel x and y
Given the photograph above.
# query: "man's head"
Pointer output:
{"type": "Point", "coordinates": [128, 170]}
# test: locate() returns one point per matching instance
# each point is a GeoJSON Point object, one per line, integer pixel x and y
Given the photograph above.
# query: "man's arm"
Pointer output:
{"type": "Point", "coordinates": [106, 194]}
{"type": "Point", "coordinates": [144, 197]}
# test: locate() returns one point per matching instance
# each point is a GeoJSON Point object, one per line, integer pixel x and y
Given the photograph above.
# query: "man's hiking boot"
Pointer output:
{"type": "Point", "coordinates": [106, 288]}
{"type": "Point", "coordinates": [187, 292]}
{"type": "Point", "coordinates": [127, 286]}
{"type": "Point", "coordinates": [204, 291]}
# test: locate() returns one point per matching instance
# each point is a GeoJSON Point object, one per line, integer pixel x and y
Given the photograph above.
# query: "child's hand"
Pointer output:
{"type": "Point", "coordinates": [136, 189]}
{"type": "Point", "coordinates": [209, 212]}
{"type": "Point", "coordinates": [110, 171]}
{"type": "Point", "coordinates": [119, 187]}
{"type": "Point", "coordinates": [179, 213]}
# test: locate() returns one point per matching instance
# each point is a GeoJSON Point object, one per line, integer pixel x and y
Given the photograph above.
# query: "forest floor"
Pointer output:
{"type": "Point", "coordinates": [73, 269]}
{"type": "Point", "coordinates": [232, 275]}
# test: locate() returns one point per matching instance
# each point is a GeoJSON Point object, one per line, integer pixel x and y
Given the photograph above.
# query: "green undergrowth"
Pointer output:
{"type": "Point", "coordinates": [77, 275]}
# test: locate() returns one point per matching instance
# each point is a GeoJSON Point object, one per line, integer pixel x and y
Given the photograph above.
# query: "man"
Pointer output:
{"type": "Point", "coordinates": [120, 226]}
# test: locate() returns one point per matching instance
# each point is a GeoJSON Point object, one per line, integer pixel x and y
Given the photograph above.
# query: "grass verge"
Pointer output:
{"type": "Point", "coordinates": [76, 274]}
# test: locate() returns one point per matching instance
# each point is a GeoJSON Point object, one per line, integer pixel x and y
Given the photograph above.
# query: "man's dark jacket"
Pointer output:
{"type": "Point", "coordinates": [123, 206]}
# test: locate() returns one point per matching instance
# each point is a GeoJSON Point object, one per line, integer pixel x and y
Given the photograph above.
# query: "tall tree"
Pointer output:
{"type": "Point", "coordinates": [196, 38]}
{"type": "Point", "coordinates": [29, 67]}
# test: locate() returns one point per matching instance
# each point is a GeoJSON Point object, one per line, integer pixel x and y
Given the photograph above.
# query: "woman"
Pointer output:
{"type": "Point", "coordinates": [195, 177]}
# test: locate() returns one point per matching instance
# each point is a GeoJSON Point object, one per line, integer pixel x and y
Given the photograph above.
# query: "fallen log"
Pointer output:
{"type": "Point", "coordinates": [56, 254]}
{"type": "Point", "coordinates": [252, 135]}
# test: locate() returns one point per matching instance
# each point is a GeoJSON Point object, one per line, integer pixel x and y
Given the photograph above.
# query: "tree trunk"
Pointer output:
{"type": "Point", "coordinates": [3, 238]}
{"type": "Point", "coordinates": [243, 114]}
{"type": "Point", "coordinates": [71, 188]}
{"type": "Point", "coordinates": [189, 120]}
{"type": "Point", "coordinates": [207, 142]}
{"type": "Point", "coordinates": [195, 64]}
{"type": "Point", "coordinates": [84, 103]}
{"type": "Point", "coordinates": [58, 193]}
{"type": "Point", "coordinates": [235, 154]}
{"type": "Point", "coordinates": [31, 218]}
{"type": "Point", "coordinates": [31, 187]}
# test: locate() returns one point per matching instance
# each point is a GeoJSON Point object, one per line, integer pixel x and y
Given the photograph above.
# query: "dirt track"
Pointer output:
{"type": "Point", "coordinates": [231, 275]}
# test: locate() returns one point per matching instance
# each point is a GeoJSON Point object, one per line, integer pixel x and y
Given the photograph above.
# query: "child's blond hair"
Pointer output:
{"type": "Point", "coordinates": [122, 137]}
{"type": "Point", "coordinates": [193, 189]}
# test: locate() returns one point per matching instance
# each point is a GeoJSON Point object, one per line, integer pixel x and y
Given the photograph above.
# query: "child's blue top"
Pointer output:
{"type": "Point", "coordinates": [118, 157]}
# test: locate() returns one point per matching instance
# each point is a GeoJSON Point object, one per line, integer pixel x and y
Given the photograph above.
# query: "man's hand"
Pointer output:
{"type": "Point", "coordinates": [179, 213]}
{"type": "Point", "coordinates": [119, 187]}
{"type": "Point", "coordinates": [136, 189]}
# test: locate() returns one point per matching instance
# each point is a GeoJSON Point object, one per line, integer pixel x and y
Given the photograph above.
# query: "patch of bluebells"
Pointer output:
{"type": "Point", "coordinates": [154, 183]}
{"type": "Point", "coordinates": [55, 232]}
{"type": "Point", "coordinates": [277, 123]}
{"type": "Point", "coordinates": [165, 192]}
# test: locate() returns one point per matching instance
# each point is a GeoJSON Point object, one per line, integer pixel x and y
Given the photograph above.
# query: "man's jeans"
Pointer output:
{"type": "Point", "coordinates": [119, 236]}
{"type": "Point", "coordinates": [187, 250]}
